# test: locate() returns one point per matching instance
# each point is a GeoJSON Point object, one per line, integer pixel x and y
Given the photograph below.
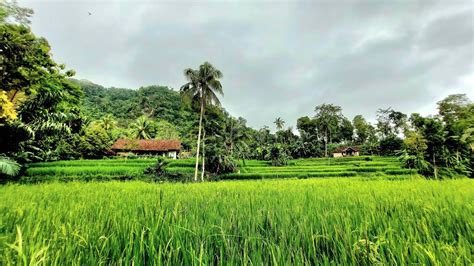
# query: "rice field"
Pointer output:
{"type": "Point", "coordinates": [286, 222]}
{"type": "Point", "coordinates": [133, 169]}
{"type": "Point", "coordinates": [372, 166]}
{"type": "Point", "coordinates": [87, 170]}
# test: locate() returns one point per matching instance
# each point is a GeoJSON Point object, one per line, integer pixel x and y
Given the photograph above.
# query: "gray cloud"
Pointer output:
{"type": "Point", "coordinates": [278, 58]}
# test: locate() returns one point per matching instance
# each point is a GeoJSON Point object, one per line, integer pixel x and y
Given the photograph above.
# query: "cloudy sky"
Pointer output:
{"type": "Point", "coordinates": [278, 58]}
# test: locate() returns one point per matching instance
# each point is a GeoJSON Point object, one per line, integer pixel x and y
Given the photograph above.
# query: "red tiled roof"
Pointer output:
{"type": "Point", "coordinates": [343, 149]}
{"type": "Point", "coordinates": [147, 145]}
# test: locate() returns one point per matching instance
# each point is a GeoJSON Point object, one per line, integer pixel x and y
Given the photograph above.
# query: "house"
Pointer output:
{"type": "Point", "coordinates": [169, 148]}
{"type": "Point", "coordinates": [345, 152]}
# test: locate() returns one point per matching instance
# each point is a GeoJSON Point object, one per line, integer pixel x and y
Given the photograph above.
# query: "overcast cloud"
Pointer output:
{"type": "Point", "coordinates": [278, 58]}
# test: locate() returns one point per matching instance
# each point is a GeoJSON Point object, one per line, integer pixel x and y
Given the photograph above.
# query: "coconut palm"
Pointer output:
{"type": "Point", "coordinates": [202, 87]}
{"type": "Point", "coordinates": [141, 128]}
{"type": "Point", "coordinates": [279, 123]}
{"type": "Point", "coordinates": [235, 134]}
{"type": "Point", "coordinates": [108, 122]}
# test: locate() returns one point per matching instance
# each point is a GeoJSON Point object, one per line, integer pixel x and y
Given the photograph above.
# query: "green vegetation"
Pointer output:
{"type": "Point", "coordinates": [312, 221]}
{"type": "Point", "coordinates": [372, 209]}
{"type": "Point", "coordinates": [87, 170]}
{"type": "Point", "coordinates": [370, 167]}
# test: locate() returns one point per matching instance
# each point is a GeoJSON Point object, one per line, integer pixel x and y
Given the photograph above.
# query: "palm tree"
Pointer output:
{"type": "Point", "coordinates": [279, 123]}
{"type": "Point", "coordinates": [108, 122]}
{"type": "Point", "coordinates": [202, 87]}
{"type": "Point", "coordinates": [235, 135]}
{"type": "Point", "coordinates": [142, 127]}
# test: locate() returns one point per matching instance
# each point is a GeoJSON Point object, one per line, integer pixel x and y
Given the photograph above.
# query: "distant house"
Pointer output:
{"type": "Point", "coordinates": [345, 152]}
{"type": "Point", "coordinates": [169, 148]}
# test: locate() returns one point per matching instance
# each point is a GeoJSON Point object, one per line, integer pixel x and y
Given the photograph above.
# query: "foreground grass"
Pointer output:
{"type": "Point", "coordinates": [313, 221]}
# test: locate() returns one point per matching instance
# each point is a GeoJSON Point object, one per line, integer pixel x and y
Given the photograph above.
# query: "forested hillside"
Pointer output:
{"type": "Point", "coordinates": [159, 108]}
{"type": "Point", "coordinates": [157, 102]}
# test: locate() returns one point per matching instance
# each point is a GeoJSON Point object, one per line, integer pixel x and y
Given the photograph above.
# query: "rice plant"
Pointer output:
{"type": "Point", "coordinates": [292, 221]}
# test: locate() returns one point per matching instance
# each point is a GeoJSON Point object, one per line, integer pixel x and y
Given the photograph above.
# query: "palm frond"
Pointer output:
{"type": "Point", "coordinates": [8, 166]}
{"type": "Point", "coordinates": [216, 86]}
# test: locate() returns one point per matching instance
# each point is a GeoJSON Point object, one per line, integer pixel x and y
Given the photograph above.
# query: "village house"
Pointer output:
{"type": "Point", "coordinates": [345, 152]}
{"type": "Point", "coordinates": [168, 148]}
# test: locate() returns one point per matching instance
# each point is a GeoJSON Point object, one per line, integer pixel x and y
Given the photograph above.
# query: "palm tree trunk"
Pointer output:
{"type": "Point", "coordinates": [199, 140]}
{"type": "Point", "coordinates": [326, 145]}
{"type": "Point", "coordinates": [434, 167]}
{"type": "Point", "coordinates": [203, 155]}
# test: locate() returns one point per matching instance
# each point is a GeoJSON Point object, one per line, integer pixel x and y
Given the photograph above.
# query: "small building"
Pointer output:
{"type": "Point", "coordinates": [345, 152]}
{"type": "Point", "coordinates": [168, 148]}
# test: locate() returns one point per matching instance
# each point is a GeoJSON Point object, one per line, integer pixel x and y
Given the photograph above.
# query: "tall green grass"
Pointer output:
{"type": "Point", "coordinates": [283, 222]}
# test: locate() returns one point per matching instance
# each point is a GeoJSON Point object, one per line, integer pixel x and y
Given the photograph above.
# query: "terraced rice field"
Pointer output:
{"type": "Point", "coordinates": [106, 169]}
{"type": "Point", "coordinates": [317, 167]}
{"type": "Point", "coordinates": [126, 169]}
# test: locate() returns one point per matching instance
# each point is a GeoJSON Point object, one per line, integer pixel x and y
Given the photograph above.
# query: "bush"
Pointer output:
{"type": "Point", "coordinates": [390, 145]}
{"type": "Point", "coordinates": [160, 172]}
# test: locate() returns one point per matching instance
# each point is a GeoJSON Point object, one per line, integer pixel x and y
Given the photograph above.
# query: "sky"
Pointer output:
{"type": "Point", "coordinates": [279, 58]}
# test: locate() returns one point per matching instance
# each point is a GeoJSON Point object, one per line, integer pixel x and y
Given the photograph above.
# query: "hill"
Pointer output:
{"type": "Point", "coordinates": [157, 102]}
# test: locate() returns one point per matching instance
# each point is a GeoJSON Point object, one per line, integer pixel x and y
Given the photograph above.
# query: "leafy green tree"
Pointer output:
{"type": "Point", "coordinates": [457, 114]}
{"type": "Point", "coordinates": [309, 135]}
{"type": "Point", "coordinates": [390, 122]}
{"type": "Point", "coordinates": [165, 130]}
{"type": "Point", "coordinates": [455, 107]}
{"type": "Point", "coordinates": [202, 87]}
{"type": "Point", "coordinates": [45, 103]}
{"type": "Point", "coordinates": [391, 145]}
{"type": "Point", "coordinates": [95, 142]}
{"type": "Point", "coordinates": [328, 118]}
{"type": "Point", "coordinates": [346, 130]}
{"type": "Point", "coordinates": [361, 127]}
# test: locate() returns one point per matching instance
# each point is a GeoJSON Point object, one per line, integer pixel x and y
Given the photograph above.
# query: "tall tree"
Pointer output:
{"type": "Point", "coordinates": [454, 107]}
{"type": "Point", "coordinates": [38, 103]}
{"type": "Point", "coordinates": [346, 130]}
{"type": "Point", "coordinates": [328, 118]}
{"type": "Point", "coordinates": [202, 87]}
{"type": "Point", "coordinates": [279, 123]}
{"type": "Point", "coordinates": [361, 127]}
{"type": "Point", "coordinates": [390, 122]}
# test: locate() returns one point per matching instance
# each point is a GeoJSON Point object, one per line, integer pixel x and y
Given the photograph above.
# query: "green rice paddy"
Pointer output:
{"type": "Point", "coordinates": [291, 221]}
{"type": "Point", "coordinates": [123, 169]}
{"type": "Point", "coordinates": [376, 213]}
